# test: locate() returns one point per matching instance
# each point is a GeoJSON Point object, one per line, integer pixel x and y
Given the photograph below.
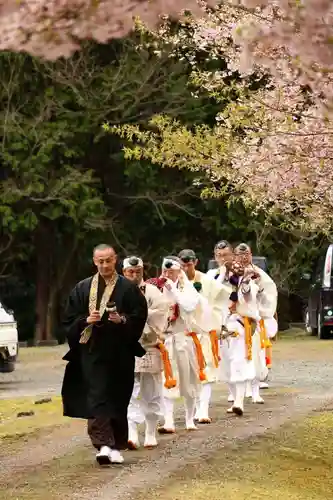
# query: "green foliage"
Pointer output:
{"type": "Point", "coordinates": [68, 182]}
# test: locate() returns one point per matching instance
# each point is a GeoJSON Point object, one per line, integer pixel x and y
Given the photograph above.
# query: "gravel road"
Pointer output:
{"type": "Point", "coordinates": [301, 381]}
{"type": "Point", "coordinates": [38, 372]}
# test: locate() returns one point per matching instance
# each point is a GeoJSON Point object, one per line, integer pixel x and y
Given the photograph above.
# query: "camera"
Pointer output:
{"type": "Point", "coordinates": [111, 307]}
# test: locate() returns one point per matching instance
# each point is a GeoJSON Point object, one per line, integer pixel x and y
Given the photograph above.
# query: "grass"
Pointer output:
{"type": "Point", "coordinates": [294, 464]}
{"type": "Point", "coordinates": [45, 415]}
{"type": "Point", "coordinates": [38, 357]}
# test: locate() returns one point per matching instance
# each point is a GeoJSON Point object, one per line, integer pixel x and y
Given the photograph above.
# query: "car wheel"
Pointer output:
{"type": "Point", "coordinates": [7, 366]}
{"type": "Point", "coordinates": [323, 332]}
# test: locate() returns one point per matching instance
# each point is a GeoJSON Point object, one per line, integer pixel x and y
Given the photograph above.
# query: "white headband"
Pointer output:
{"type": "Point", "coordinates": [175, 264]}
{"type": "Point", "coordinates": [127, 262]}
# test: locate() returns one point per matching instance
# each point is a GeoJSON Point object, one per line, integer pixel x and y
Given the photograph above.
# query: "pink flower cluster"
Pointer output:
{"type": "Point", "coordinates": [55, 28]}
{"type": "Point", "coordinates": [285, 160]}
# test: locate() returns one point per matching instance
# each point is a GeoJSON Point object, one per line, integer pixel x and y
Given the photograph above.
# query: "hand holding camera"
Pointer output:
{"type": "Point", "coordinates": [114, 316]}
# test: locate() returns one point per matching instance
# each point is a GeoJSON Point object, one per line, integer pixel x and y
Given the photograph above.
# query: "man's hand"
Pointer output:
{"type": "Point", "coordinates": [94, 318]}
{"type": "Point", "coordinates": [168, 285]}
{"type": "Point", "coordinates": [116, 318]}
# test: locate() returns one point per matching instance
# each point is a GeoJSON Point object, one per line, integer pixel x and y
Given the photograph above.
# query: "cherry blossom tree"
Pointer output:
{"type": "Point", "coordinates": [54, 28]}
{"type": "Point", "coordinates": [271, 146]}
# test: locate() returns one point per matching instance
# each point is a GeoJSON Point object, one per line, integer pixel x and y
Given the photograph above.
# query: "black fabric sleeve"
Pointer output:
{"type": "Point", "coordinates": [135, 310]}
{"type": "Point", "coordinates": [75, 316]}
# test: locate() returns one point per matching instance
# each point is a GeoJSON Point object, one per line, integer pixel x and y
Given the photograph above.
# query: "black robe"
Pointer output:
{"type": "Point", "coordinates": [99, 376]}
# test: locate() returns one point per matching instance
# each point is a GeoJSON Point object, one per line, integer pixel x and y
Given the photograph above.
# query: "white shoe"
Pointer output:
{"type": "Point", "coordinates": [231, 399]}
{"type": "Point", "coordinates": [190, 426]}
{"type": "Point", "coordinates": [104, 456]}
{"type": "Point", "coordinates": [150, 435]}
{"type": "Point", "coordinates": [237, 410]}
{"type": "Point", "coordinates": [259, 400]}
{"type": "Point", "coordinates": [189, 418]}
{"type": "Point", "coordinates": [150, 441]}
{"type": "Point", "coordinates": [116, 457]}
{"type": "Point", "coordinates": [263, 385]}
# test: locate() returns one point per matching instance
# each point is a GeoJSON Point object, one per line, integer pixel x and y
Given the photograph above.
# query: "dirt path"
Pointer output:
{"type": "Point", "coordinates": [61, 462]}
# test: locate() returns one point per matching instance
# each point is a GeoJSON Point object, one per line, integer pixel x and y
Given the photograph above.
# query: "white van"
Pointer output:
{"type": "Point", "coordinates": [8, 341]}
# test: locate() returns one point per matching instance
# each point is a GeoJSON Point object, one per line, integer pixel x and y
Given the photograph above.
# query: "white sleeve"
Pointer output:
{"type": "Point", "coordinates": [158, 309]}
{"type": "Point", "coordinates": [211, 273]}
{"type": "Point", "coordinates": [187, 299]}
{"type": "Point", "coordinates": [267, 296]}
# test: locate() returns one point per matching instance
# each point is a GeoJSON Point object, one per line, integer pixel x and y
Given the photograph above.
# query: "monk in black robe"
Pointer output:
{"type": "Point", "coordinates": [104, 321]}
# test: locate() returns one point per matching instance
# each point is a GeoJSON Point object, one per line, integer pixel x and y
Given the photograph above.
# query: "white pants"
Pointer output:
{"type": "Point", "coordinates": [202, 403]}
{"type": "Point", "coordinates": [168, 412]}
{"type": "Point", "coordinates": [148, 387]}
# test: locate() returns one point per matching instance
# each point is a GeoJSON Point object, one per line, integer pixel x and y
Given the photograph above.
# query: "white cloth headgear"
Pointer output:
{"type": "Point", "coordinates": [169, 263]}
{"type": "Point", "coordinates": [129, 262]}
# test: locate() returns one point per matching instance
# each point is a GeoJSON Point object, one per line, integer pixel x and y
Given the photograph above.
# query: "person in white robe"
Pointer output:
{"type": "Point", "coordinates": [240, 325]}
{"type": "Point", "coordinates": [223, 254]}
{"type": "Point", "coordinates": [182, 344]}
{"type": "Point", "coordinates": [211, 292]}
{"type": "Point", "coordinates": [267, 326]}
{"type": "Point", "coordinates": [146, 400]}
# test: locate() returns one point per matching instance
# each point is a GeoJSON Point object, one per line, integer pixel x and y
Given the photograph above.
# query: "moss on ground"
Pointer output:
{"type": "Point", "coordinates": [45, 415]}
{"type": "Point", "coordinates": [294, 464]}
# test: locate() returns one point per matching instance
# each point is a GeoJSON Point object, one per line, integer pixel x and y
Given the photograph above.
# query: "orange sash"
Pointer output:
{"type": "Point", "coordinates": [170, 382]}
{"type": "Point", "coordinates": [200, 356]}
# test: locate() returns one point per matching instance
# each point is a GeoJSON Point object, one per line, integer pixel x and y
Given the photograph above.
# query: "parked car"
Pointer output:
{"type": "Point", "coordinates": [319, 307]}
{"type": "Point", "coordinates": [8, 341]}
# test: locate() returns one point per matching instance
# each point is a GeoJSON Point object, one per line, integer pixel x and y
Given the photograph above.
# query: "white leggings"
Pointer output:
{"type": "Point", "coordinates": [146, 400]}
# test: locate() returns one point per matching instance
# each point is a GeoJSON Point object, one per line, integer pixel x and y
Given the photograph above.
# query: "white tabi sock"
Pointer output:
{"type": "Point", "coordinates": [168, 410]}
{"type": "Point", "coordinates": [232, 393]}
{"type": "Point", "coordinates": [189, 414]}
{"type": "Point", "coordinates": [256, 398]}
{"type": "Point", "coordinates": [133, 436]}
{"type": "Point", "coordinates": [249, 389]}
{"type": "Point", "coordinates": [204, 400]}
{"type": "Point", "coordinates": [150, 434]}
{"type": "Point", "coordinates": [240, 394]}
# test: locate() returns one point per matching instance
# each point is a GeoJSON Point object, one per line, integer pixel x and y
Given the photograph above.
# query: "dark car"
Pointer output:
{"type": "Point", "coordinates": [319, 308]}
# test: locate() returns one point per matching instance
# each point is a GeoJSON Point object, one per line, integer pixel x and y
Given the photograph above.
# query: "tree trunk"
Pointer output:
{"type": "Point", "coordinates": [50, 325]}
{"type": "Point", "coordinates": [62, 273]}
{"type": "Point", "coordinates": [43, 242]}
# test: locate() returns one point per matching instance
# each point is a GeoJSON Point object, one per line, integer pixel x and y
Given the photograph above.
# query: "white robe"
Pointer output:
{"type": "Point", "coordinates": [179, 345]}
{"type": "Point", "coordinates": [241, 369]}
{"type": "Point", "coordinates": [211, 300]}
{"type": "Point", "coordinates": [223, 299]}
{"type": "Point", "coordinates": [267, 295]}
{"type": "Point", "coordinates": [157, 320]}
{"type": "Point", "coordinates": [267, 304]}
{"type": "Point", "coordinates": [146, 399]}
